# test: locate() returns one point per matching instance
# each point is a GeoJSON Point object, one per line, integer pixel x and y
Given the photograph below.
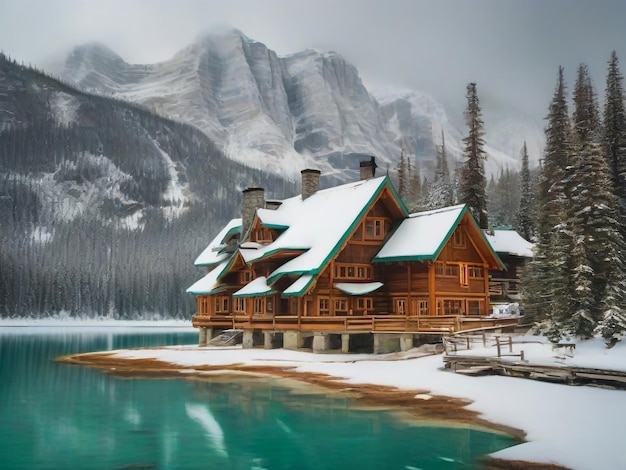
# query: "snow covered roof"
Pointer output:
{"type": "Point", "coordinates": [317, 225]}
{"type": "Point", "coordinates": [358, 288]}
{"type": "Point", "coordinates": [313, 230]}
{"type": "Point", "coordinates": [211, 254]}
{"type": "Point", "coordinates": [209, 284]}
{"type": "Point", "coordinates": [254, 288]}
{"type": "Point", "coordinates": [422, 235]}
{"type": "Point", "coordinates": [510, 242]}
{"type": "Point", "coordinates": [300, 286]}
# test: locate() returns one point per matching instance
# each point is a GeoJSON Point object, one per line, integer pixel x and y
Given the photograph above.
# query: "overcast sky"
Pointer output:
{"type": "Point", "coordinates": [510, 48]}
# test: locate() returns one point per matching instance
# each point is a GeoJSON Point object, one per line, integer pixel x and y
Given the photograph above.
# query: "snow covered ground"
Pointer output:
{"type": "Point", "coordinates": [579, 427]}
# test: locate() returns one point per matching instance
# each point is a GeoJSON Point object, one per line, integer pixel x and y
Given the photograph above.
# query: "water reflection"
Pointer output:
{"type": "Point", "coordinates": [62, 416]}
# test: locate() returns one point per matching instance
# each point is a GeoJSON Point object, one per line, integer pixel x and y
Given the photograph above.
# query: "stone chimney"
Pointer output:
{"type": "Point", "coordinates": [310, 182]}
{"type": "Point", "coordinates": [253, 199]}
{"type": "Point", "coordinates": [368, 168]}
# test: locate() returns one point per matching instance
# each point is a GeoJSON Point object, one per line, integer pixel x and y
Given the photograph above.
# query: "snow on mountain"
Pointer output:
{"type": "Point", "coordinates": [284, 114]}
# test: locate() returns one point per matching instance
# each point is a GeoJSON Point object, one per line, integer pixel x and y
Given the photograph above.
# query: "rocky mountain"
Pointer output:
{"type": "Point", "coordinates": [309, 109]}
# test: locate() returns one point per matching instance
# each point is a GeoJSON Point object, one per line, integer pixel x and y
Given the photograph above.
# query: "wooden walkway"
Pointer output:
{"type": "Point", "coordinates": [506, 362]}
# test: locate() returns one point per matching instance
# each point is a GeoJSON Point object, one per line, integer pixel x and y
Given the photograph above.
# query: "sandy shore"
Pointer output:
{"type": "Point", "coordinates": [420, 404]}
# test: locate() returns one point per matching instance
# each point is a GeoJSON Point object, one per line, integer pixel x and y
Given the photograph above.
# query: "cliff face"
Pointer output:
{"type": "Point", "coordinates": [282, 114]}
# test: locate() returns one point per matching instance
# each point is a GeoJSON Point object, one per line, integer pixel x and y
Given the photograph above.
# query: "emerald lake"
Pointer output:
{"type": "Point", "coordinates": [60, 416]}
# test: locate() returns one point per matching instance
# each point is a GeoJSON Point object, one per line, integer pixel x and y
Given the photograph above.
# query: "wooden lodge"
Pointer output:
{"type": "Point", "coordinates": [340, 267]}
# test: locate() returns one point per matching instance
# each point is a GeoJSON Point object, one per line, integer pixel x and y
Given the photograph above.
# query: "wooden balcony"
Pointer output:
{"type": "Point", "coordinates": [502, 289]}
{"type": "Point", "coordinates": [442, 324]}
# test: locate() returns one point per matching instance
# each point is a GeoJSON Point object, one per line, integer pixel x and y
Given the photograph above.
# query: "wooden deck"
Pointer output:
{"type": "Point", "coordinates": [444, 324]}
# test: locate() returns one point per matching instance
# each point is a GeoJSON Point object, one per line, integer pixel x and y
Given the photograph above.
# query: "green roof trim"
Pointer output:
{"type": "Point", "coordinates": [232, 231]}
{"type": "Point", "coordinates": [453, 227]}
{"type": "Point", "coordinates": [270, 253]}
{"type": "Point", "coordinates": [273, 278]}
{"type": "Point", "coordinates": [256, 294]}
{"type": "Point", "coordinates": [275, 226]}
{"type": "Point", "coordinates": [229, 265]}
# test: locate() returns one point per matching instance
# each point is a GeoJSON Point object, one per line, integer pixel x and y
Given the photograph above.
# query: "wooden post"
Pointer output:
{"type": "Point", "coordinates": [484, 339]}
{"type": "Point", "coordinates": [510, 344]}
{"type": "Point", "coordinates": [487, 296]}
{"type": "Point", "coordinates": [408, 289]}
{"type": "Point", "coordinates": [432, 299]}
{"type": "Point", "coordinates": [498, 345]}
{"type": "Point", "coordinates": [468, 342]}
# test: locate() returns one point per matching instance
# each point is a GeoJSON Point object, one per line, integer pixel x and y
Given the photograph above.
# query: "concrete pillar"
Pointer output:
{"type": "Point", "coordinates": [321, 342]}
{"type": "Point", "coordinates": [292, 340]}
{"type": "Point", "coordinates": [345, 343]}
{"type": "Point", "coordinates": [267, 339]}
{"type": "Point", "coordinates": [202, 336]}
{"type": "Point", "coordinates": [386, 343]}
{"type": "Point", "coordinates": [406, 342]}
{"type": "Point", "coordinates": [248, 339]}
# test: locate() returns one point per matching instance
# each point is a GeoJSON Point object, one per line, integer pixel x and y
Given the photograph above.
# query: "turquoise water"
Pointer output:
{"type": "Point", "coordinates": [59, 416]}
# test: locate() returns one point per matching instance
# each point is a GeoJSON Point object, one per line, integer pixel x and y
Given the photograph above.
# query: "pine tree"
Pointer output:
{"type": "Point", "coordinates": [598, 288]}
{"type": "Point", "coordinates": [472, 182]}
{"type": "Point", "coordinates": [440, 192]}
{"type": "Point", "coordinates": [546, 283]}
{"type": "Point", "coordinates": [525, 225]}
{"type": "Point", "coordinates": [402, 176]}
{"type": "Point", "coordinates": [414, 188]}
{"type": "Point", "coordinates": [615, 131]}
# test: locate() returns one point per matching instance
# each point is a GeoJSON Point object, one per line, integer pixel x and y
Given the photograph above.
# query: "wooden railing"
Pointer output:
{"type": "Point", "coordinates": [500, 286]}
{"type": "Point", "coordinates": [349, 324]}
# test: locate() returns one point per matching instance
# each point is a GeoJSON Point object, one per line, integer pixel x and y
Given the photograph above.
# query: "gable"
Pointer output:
{"type": "Point", "coordinates": [423, 236]}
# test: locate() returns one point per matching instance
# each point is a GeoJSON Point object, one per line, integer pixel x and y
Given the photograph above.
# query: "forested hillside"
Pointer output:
{"type": "Point", "coordinates": [104, 205]}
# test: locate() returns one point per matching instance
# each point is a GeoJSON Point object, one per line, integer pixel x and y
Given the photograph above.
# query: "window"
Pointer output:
{"type": "Point", "coordinates": [239, 305]}
{"type": "Point", "coordinates": [221, 304]}
{"type": "Point", "coordinates": [400, 306]}
{"type": "Point", "coordinates": [420, 307]}
{"type": "Point", "coordinates": [439, 267]}
{"type": "Point", "coordinates": [341, 307]}
{"type": "Point", "coordinates": [269, 304]}
{"type": "Point", "coordinates": [374, 229]}
{"type": "Point", "coordinates": [245, 276]}
{"type": "Point", "coordinates": [452, 270]}
{"type": "Point", "coordinates": [475, 271]}
{"type": "Point", "coordinates": [474, 307]}
{"type": "Point", "coordinates": [463, 279]}
{"type": "Point", "coordinates": [324, 306]}
{"type": "Point", "coordinates": [459, 238]}
{"type": "Point", "coordinates": [259, 304]}
{"type": "Point", "coordinates": [452, 307]}
{"type": "Point", "coordinates": [364, 303]}
{"type": "Point", "coordinates": [352, 271]}
{"type": "Point", "coordinates": [262, 234]}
